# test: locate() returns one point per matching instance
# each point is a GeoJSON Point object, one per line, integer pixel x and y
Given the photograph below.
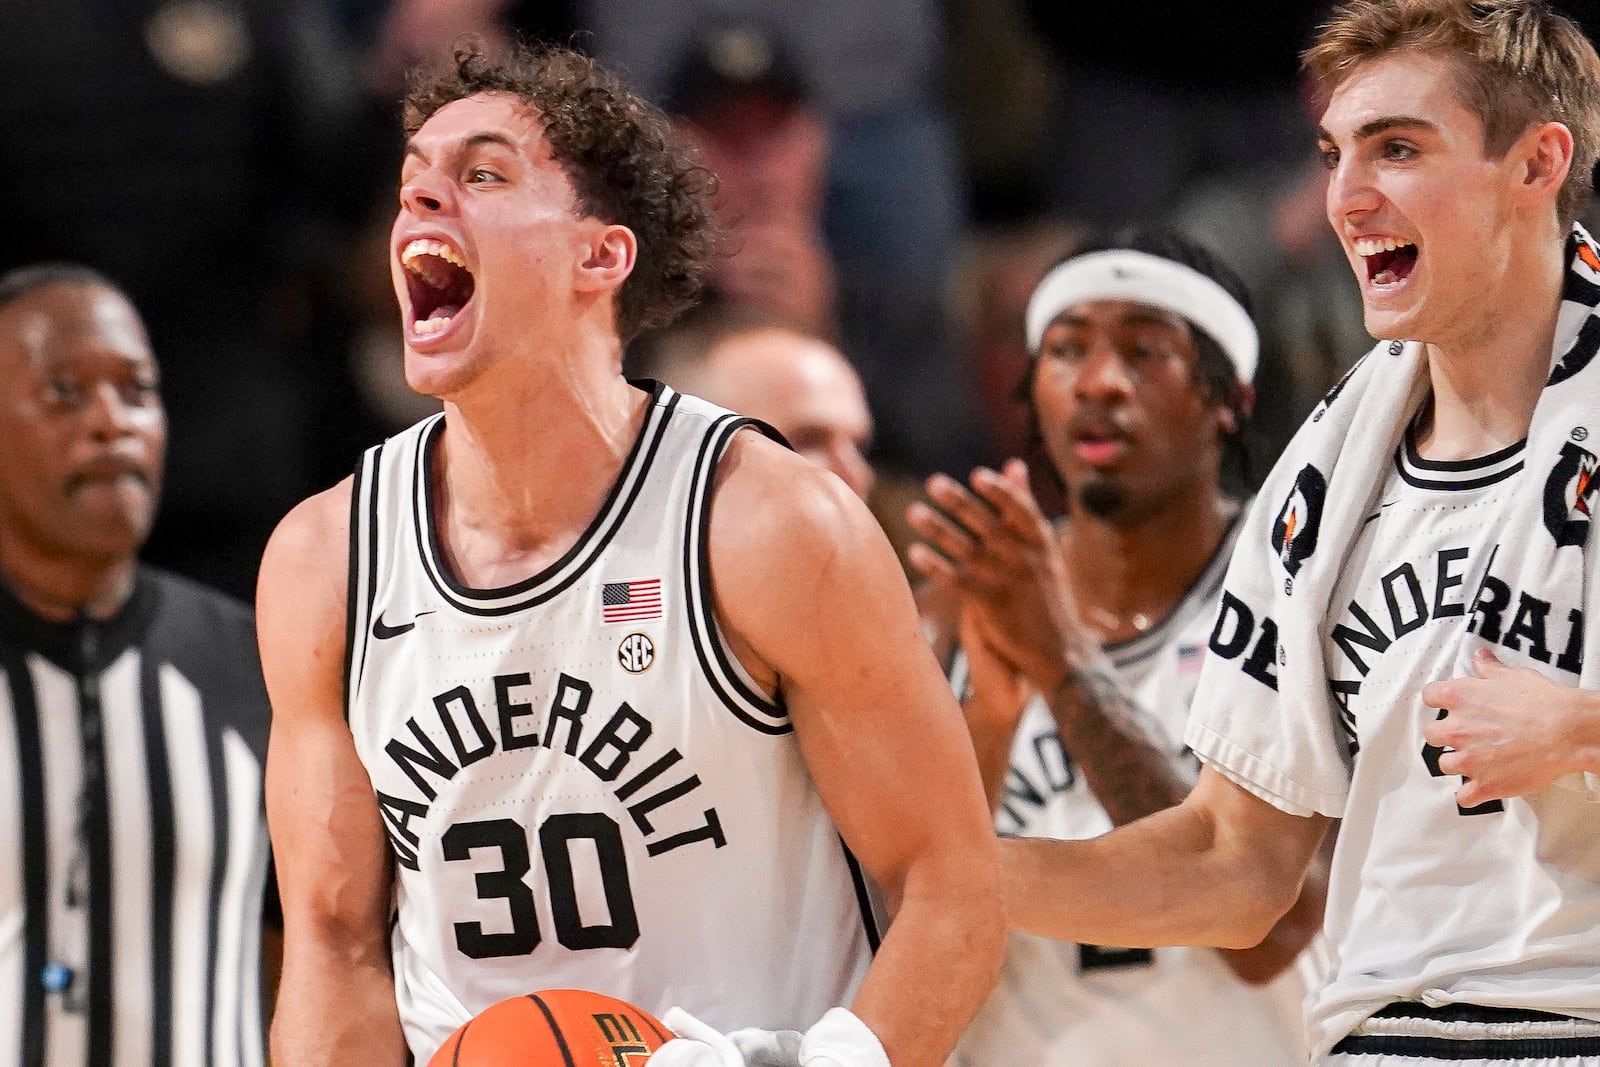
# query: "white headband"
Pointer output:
{"type": "Point", "coordinates": [1123, 274]}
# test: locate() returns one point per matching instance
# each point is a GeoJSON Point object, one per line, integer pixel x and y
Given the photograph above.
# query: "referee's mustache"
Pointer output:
{"type": "Point", "coordinates": [109, 468]}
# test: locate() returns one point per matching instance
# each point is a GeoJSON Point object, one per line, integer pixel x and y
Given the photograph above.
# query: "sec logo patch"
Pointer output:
{"type": "Point", "coordinates": [636, 653]}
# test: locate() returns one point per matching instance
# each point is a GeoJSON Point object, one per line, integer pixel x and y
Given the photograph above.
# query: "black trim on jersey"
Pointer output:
{"type": "Point", "coordinates": [1455, 474]}
{"type": "Point", "coordinates": [751, 707]}
{"type": "Point", "coordinates": [1441, 1048]}
{"type": "Point", "coordinates": [372, 556]}
{"type": "Point", "coordinates": [35, 855]}
{"type": "Point", "coordinates": [1461, 486]}
{"type": "Point", "coordinates": [549, 582]}
{"type": "Point", "coordinates": [353, 580]}
{"type": "Point", "coordinates": [1468, 1013]}
{"type": "Point", "coordinates": [1414, 458]}
{"type": "Point", "coordinates": [162, 819]}
{"type": "Point", "coordinates": [869, 917]}
{"type": "Point", "coordinates": [561, 1041]}
{"type": "Point", "coordinates": [1206, 585]}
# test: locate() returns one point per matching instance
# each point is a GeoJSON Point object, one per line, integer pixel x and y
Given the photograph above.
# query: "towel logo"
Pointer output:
{"type": "Point", "coordinates": [1569, 495]}
{"type": "Point", "coordinates": [1294, 535]}
{"type": "Point", "coordinates": [1344, 379]}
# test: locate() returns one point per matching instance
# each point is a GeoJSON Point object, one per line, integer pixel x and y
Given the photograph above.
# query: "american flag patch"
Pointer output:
{"type": "Point", "coordinates": [633, 601]}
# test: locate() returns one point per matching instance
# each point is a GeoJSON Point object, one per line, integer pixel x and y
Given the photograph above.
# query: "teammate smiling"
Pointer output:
{"type": "Point", "coordinates": [1437, 503]}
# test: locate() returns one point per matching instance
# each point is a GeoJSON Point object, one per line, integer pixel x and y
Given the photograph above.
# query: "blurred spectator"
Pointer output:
{"type": "Point", "coordinates": [895, 207]}
{"type": "Point", "coordinates": [1002, 267]}
{"type": "Point", "coordinates": [1270, 227]}
{"type": "Point", "coordinates": [1166, 95]}
{"type": "Point", "coordinates": [747, 105]}
{"type": "Point", "coordinates": [404, 33]}
{"type": "Point", "coordinates": [797, 383]}
{"type": "Point", "coordinates": [1002, 89]}
{"type": "Point", "coordinates": [197, 150]}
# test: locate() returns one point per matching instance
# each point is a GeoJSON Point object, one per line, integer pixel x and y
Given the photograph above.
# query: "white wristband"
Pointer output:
{"type": "Point", "coordinates": [841, 1039]}
{"type": "Point", "coordinates": [696, 1044]}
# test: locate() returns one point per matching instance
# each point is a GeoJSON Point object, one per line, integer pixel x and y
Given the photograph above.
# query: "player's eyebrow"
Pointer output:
{"type": "Point", "coordinates": [468, 143]}
{"type": "Point", "coordinates": [1380, 125]}
{"type": "Point", "coordinates": [1146, 316]}
{"type": "Point", "coordinates": [1137, 315]}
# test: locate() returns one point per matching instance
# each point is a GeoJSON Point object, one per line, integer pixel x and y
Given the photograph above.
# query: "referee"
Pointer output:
{"type": "Point", "coordinates": [133, 720]}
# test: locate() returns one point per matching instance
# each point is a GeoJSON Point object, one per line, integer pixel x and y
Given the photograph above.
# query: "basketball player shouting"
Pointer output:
{"type": "Point", "coordinates": [1401, 641]}
{"type": "Point", "coordinates": [1143, 353]}
{"type": "Point", "coordinates": [596, 689]}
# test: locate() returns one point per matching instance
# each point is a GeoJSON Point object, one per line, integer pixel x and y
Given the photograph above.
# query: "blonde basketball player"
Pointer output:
{"type": "Point", "coordinates": [594, 686]}
{"type": "Point", "coordinates": [1406, 640]}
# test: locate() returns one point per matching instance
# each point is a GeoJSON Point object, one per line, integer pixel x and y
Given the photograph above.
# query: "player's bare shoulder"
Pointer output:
{"type": "Point", "coordinates": [311, 542]}
{"type": "Point", "coordinates": [771, 507]}
{"type": "Point", "coordinates": [301, 591]}
{"type": "Point", "coordinates": [790, 545]}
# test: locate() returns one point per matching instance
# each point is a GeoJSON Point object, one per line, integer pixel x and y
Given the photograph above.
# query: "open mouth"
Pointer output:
{"type": "Point", "coordinates": [438, 283]}
{"type": "Point", "coordinates": [1098, 448]}
{"type": "Point", "coordinates": [1388, 259]}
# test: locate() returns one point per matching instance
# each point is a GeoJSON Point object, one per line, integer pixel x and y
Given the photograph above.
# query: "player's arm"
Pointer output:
{"type": "Point", "coordinates": [823, 609]}
{"type": "Point", "coordinates": [336, 1003]}
{"type": "Point", "coordinates": [995, 546]}
{"type": "Point", "coordinates": [1220, 869]}
{"type": "Point", "coordinates": [1290, 935]}
{"type": "Point", "coordinates": [1511, 731]}
{"type": "Point", "coordinates": [993, 705]}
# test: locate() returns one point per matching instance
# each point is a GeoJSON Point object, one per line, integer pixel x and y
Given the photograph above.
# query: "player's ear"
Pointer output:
{"type": "Point", "coordinates": [608, 258]}
{"type": "Point", "coordinates": [1542, 158]}
{"type": "Point", "coordinates": [1234, 408]}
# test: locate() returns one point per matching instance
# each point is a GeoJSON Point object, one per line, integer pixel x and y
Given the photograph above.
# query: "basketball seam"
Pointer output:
{"type": "Point", "coordinates": [561, 1042]}
{"type": "Point", "coordinates": [461, 1039]}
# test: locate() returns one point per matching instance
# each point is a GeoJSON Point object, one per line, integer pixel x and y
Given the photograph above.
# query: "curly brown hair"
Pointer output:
{"type": "Point", "coordinates": [619, 152]}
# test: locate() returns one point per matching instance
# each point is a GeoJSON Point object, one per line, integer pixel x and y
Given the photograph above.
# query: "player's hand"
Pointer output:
{"type": "Point", "coordinates": [768, 1048]}
{"type": "Point", "coordinates": [999, 691]}
{"type": "Point", "coordinates": [698, 1045]}
{"type": "Point", "coordinates": [841, 1039]}
{"type": "Point", "coordinates": [1508, 731]}
{"type": "Point", "coordinates": [995, 545]}
{"type": "Point", "coordinates": [695, 1044]}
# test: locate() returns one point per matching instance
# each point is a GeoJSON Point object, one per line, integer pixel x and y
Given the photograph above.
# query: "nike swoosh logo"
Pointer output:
{"type": "Point", "coordinates": [383, 632]}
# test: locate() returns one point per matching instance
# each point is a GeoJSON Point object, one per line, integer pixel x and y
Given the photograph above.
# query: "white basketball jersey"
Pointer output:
{"type": "Point", "coordinates": [581, 786]}
{"type": "Point", "coordinates": [1497, 905]}
{"type": "Point", "coordinates": [1059, 1004]}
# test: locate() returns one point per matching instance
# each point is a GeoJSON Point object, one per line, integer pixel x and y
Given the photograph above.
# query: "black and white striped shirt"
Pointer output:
{"type": "Point", "coordinates": [133, 849]}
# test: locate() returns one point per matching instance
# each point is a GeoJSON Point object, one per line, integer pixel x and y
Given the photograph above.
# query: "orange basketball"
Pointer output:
{"type": "Point", "coordinates": [554, 1028]}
